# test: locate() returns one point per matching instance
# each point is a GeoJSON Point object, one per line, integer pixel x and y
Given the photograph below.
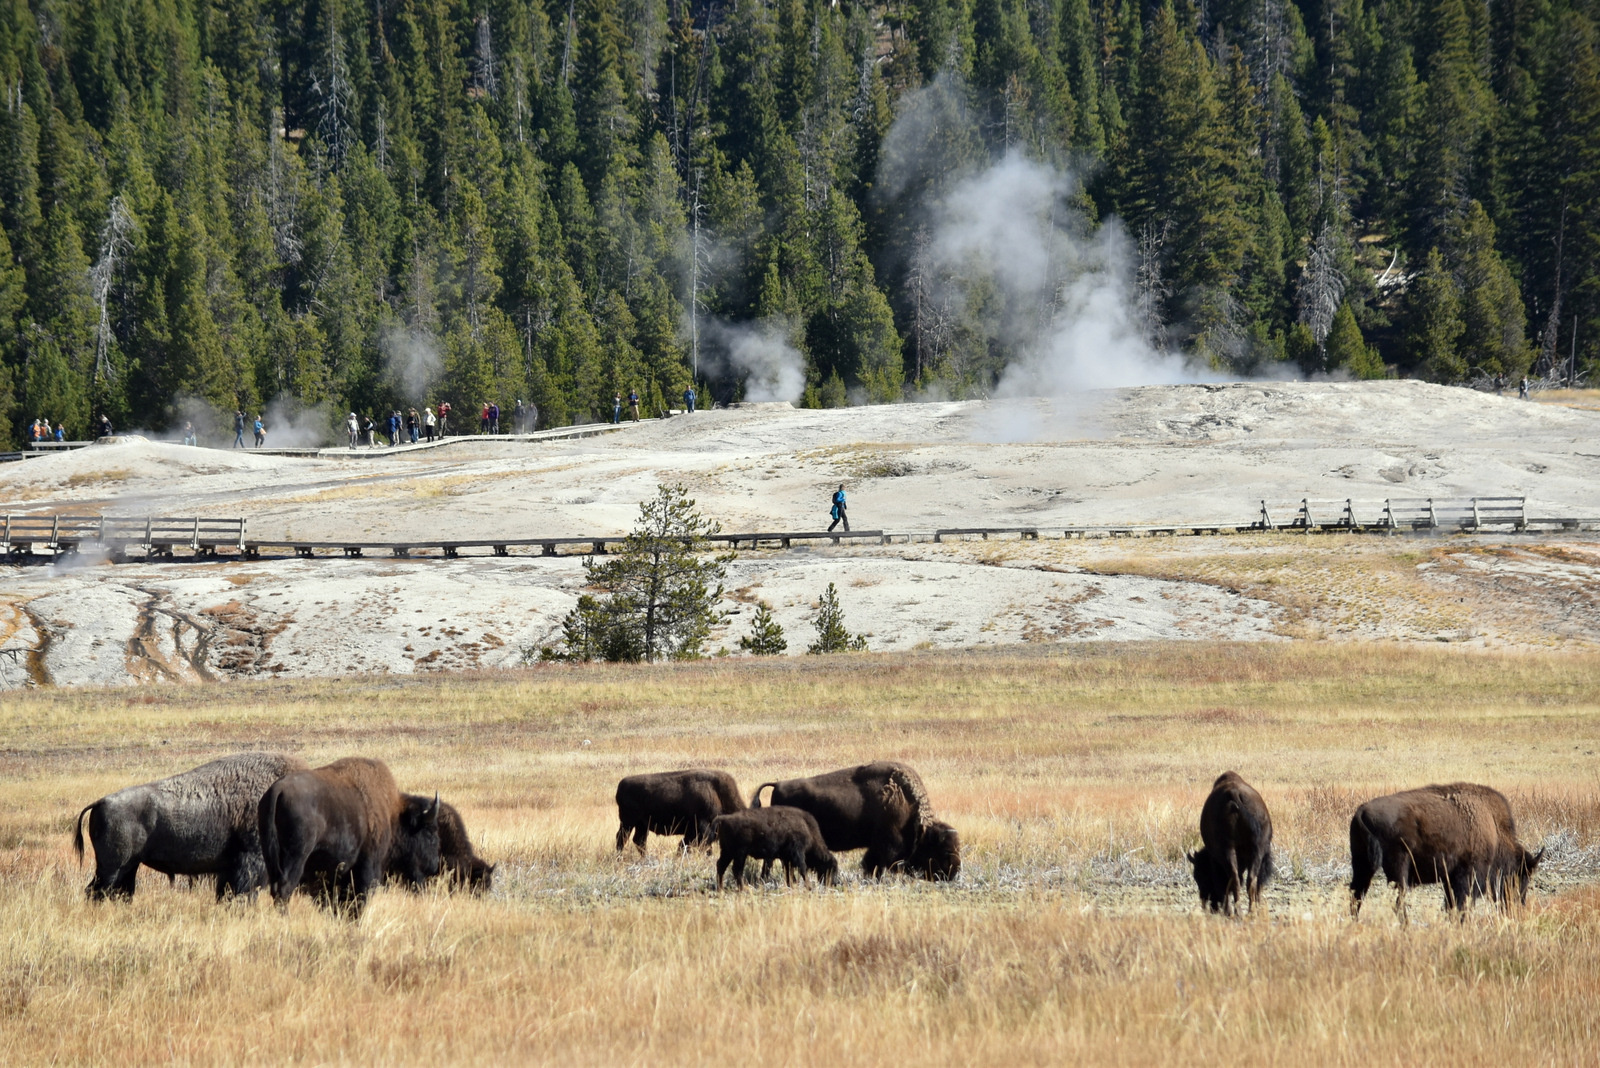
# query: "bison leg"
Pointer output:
{"type": "Point", "coordinates": [640, 833]}
{"type": "Point", "coordinates": [1400, 895]}
{"type": "Point", "coordinates": [766, 869]}
{"type": "Point", "coordinates": [723, 863]}
{"type": "Point", "coordinates": [622, 836]}
{"type": "Point", "coordinates": [118, 883]}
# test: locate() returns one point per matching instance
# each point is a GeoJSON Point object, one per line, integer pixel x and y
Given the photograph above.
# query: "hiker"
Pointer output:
{"type": "Point", "coordinates": [1522, 389]}
{"type": "Point", "coordinates": [261, 433]}
{"type": "Point", "coordinates": [34, 432]}
{"type": "Point", "coordinates": [444, 419]}
{"type": "Point", "coordinates": [519, 418]}
{"type": "Point", "coordinates": [188, 434]}
{"type": "Point", "coordinates": [688, 399]}
{"type": "Point", "coordinates": [394, 429]}
{"type": "Point", "coordinates": [838, 510]}
{"type": "Point", "coordinates": [105, 428]}
{"type": "Point", "coordinates": [483, 419]}
{"type": "Point", "coordinates": [616, 409]}
{"type": "Point", "coordinates": [371, 430]}
{"type": "Point", "coordinates": [354, 427]}
{"type": "Point", "coordinates": [61, 432]}
{"type": "Point", "coordinates": [48, 435]}
{"type": "Point", "coordinates": [533, 417]}
{"type": "Point", "coordinates": [429, 423]}
{"type": "Point", "coordinates": [412, 425]}
{"type": "Point", "coordinates": [633, 402]}
{"type": "Point", "coordinates": [238, 428]}
{"type": "Point", "coordinates": [494, 418]}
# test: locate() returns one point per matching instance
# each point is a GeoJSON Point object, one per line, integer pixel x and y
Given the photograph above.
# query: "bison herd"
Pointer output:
{"type": "Point", "coordinates": [338, 832]}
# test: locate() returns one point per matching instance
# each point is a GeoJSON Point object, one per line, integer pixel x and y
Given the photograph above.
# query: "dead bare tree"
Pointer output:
{"type": "Point", "coordinates": [1321, 287]}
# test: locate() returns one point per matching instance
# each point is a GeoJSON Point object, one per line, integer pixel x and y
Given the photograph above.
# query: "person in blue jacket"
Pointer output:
{"type": "Point", "coordinates": [838, 510]}
{"type": "Point", "coordinates": [688, 400]}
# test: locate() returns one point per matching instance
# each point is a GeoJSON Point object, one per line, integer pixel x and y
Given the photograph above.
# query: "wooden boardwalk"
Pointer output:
{"type": "Point", "coordinates": [157, 538]}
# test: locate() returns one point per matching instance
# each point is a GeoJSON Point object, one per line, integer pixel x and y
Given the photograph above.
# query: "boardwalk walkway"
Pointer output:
{"type": "Point", "coordinates": [157, 538]}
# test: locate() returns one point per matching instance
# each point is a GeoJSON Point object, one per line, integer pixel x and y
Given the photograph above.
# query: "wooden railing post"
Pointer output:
{"type": "Point", "coordinates": [1476, 522]}
{"type": "Point", "coordinates": [1433, 518]}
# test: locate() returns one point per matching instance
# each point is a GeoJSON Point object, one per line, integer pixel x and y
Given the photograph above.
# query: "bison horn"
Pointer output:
{"type": "Point", "coordinates": [433, 809]}
{"type": "Point", "coordinates": [1534, 860]}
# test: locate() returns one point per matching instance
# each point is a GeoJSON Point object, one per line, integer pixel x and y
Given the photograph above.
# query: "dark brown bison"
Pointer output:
{"type": "Point", "coordinates": [790, 835]}
{"type": "Point", "coordinates": [1461, 835]}
{"type": "Point", "coordinates": [457, 860]}
{"type": "Point", "coordinates": [347, 824]}
{"type": "Point", "coordinates": [202, 822]}
{"type": "Point", "coordinates": [675, 802]}
{"type": "Point", "coordinates": [882, 808]}
{"type": "Point", "coordinates": [1236, 849]}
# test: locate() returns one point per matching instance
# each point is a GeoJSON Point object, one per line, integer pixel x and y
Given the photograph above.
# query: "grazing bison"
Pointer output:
{"type": "Point", "coordinates": [457, 861]}
{"type": "Point", "coordinates": [675, 802]}
{"type": "Point", "coordinates": [456, 858]}
{"type": "Point", "coordinates": [202, 822]}
{"type": "Point", "coordinates": [1236, 849]}
{"type": "Point", "coordinates": [1461, 835]}
{"type": "Point", "coordinates": [882, 808]}
{"type": "Point", "coordinates": [346, 824]}
{"type": "Point", "coordinates": [768, 834]}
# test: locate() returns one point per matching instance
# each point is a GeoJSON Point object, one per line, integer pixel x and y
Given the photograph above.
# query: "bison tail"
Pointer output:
{"type": "Point", "coordinates": [1366, 855]}
{"type": "Point", "coordinates": [267, 827]}
{"type": "Point", "coordinates": [77, 831]}
{"type": "Point", "coordinates": [755, 798]}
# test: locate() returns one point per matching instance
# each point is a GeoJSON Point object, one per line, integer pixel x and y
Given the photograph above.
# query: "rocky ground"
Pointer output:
{"type": "Point", "coordinates": [1170, 454]}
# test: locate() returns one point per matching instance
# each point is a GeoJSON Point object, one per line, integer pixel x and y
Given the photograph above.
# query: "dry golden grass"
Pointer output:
{"type": "Point", "coordinates": [1074, 774]}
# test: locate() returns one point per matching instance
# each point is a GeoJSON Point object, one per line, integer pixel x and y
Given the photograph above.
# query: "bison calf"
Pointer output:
{"type": "Point", "coordinates": [768, 834]}
{"type": "Point", "coordinates": [1461, 835]}
{"type": "Point", "coordinates": [674, 802]}
{"type": "Point", "coordinates": [882, 808]}
{"type": "Point", "coordinates": [1236, 850]}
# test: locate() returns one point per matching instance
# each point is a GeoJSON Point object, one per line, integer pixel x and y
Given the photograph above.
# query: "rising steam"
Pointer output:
{"type": "Point", "coordinates": [759, 354]}
{"type": "Point", "coordinates": [411, 360]}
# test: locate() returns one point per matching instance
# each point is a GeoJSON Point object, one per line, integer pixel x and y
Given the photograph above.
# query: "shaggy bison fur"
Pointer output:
{"type": "Point", "coordinates": [789, 835]}
{"type": "Point", "coordinates": [882, 808]}
{"type": "Point", "coordinates": [346, 824]}
{"type": "Point", "coordinates": [675, 802]}
{"type": "Point", "coordinates": [1236, 850]}
{"type": "Point", "coordinates": [202, 822]}
{"type": "Point", "coordinates": [1461, 835]}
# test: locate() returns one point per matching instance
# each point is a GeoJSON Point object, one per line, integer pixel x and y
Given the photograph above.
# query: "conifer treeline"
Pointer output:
{"type": "Point", "coordinates": [365, 204]}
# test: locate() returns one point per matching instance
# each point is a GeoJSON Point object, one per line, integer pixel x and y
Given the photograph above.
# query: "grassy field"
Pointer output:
{"type": "Point", "coordinates": [1075, 776]}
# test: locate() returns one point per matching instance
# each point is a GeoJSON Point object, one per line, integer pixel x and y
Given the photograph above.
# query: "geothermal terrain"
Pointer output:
{"type": "Point", "coordinates": [1151, 455]}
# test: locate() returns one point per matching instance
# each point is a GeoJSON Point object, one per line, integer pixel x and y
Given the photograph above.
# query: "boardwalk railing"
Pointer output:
{"type": "Point", "coordinates": [157, 536]}
{"type": "Point", "coordinates": [1400, 513]}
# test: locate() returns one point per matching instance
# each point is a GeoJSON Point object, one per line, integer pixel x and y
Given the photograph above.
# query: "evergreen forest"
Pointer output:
{"type": "Point", "coordinates": [315, 207]}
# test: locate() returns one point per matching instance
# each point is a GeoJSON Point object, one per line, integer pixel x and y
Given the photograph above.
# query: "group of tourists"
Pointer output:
{"type": "Point", "coordinates": [689, 397]}
{"type": "Point", "coordinates": [42, 431]}
{"type": "Point", "coordinates": [258, 428]}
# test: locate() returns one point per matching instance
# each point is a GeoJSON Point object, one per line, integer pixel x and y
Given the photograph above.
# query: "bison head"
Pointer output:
{"type": "Point", "coordinates": [937, 855]}
{"type": "Point", "coordinates": [415, 855]}
{"type": "Point", "coordinates": [1210, 879]}
{"type": "Point", "coordinates": [1524, 874]}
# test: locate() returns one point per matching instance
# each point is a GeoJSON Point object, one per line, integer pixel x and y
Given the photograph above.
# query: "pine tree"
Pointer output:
{"type": "Point", "coordinates": [766, 636]}
{"type": "Point", "coordinates": [832, 634]}
{"type": "Point", "coordinates": [1348, 350]}
{"type": "Point", "coordinates": [1435, 327]}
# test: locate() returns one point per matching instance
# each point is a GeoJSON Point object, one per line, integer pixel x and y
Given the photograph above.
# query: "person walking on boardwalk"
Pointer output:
{"type": "Point", "coordinates": [444, 419]}
{"type": "Point", "coordinates": [838, 510]}
{"type": "Point", "coordinates": [483, 418]}
{"type": "Point", "coordinates": [261, 433]}
{"type": "Point", "coordinates": [411, 425]}
{"type": "Point", "coordinates": [519, 418]}
{"type": "Point", "coordinates": [188, 434]}
{"type": "Point", "coordinates": [1522, 389]}
{"type": "Point", "coordinates": [616, 409]}
{"type": "Point", "coordinates": [429, 423]}
{"type": "Point", "coordinates": [633, 402]}
{"type": "Point", "coordinates": [688, 399]}
{"type": "Point", "coordinates": [353, 425]}
{"type": "Point", "coordinates": [106, 431]}
{"type": "Point", "coordinates": [370, 426]}
{"type": "Point", "coordinates": [238, 427]}
{"type": "Point", "coordinates": [494, 418]}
